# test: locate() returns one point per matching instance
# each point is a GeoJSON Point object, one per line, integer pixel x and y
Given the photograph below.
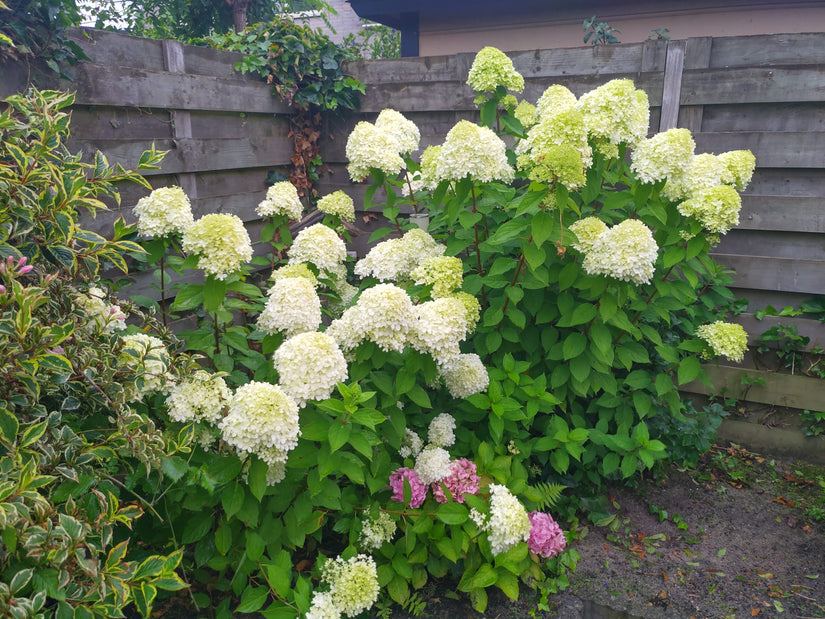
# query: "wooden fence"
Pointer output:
{"type": "Point", "coordinates": [763, 93]}
{"type": "Point", "coordinates": [226, 133]}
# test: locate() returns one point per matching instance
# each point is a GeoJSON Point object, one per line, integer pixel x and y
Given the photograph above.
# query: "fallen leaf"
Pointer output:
{"type": "Point", "coordinates": [766, 575]}
{"type": "Point", "coordinates": [664, 576]}
{"type": "Point", "coordinates": [754, 612]}
{"type": "Point", "coordinates": [784, 501]}
{"type": "Point", "coordinates": [791, 522]}
{"type": "Point", "coordinates": [663, 595]}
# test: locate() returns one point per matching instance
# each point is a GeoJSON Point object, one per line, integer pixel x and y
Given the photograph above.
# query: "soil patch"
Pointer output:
{"type": "Point", "coordinates": [740, 536]}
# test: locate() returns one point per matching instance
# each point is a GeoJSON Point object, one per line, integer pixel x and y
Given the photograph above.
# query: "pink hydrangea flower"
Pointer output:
{"type": "Point", "coordinates": [546, 537]}
{"type": "Point", "coordinates": [418, 491]}
{"type": "Point", "coordinates": [463, 479]}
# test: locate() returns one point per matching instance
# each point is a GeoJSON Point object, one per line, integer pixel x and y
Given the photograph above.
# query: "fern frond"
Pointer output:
{"type": "Point", "coordinates": [544, 495]}
{"type": "Point", "coordinates": [414, 605]}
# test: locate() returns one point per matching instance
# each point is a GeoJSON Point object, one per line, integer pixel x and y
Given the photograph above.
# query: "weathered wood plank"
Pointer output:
{"type": "Point", "coordinates": [697, 56]}
{"type": "Point", "coordinates": [603, 60]}
{"type": "Point", "coordinates": [782, 214]}
{"type": "Point", "coordinates": [456, 95]}
{"type": "Point", "coordinates": [773, 149]}
{"type": "Point", "coordinates": [129, 87]}
{"type": "Point", "coordinates": [805, 327]}
{"type": "Point", "coordinates": [765, 117]}
{"type": "Point", "coordinates": [761, 299]}
{"type": "Point", "coordinates": [194, 155]}
{"type": "Point", "coordinates": [754, 85]}
{"type": "Point", "coordinates": [119, 123]}
{"type": "Point", "coordinates": [774, 244]}
{"type": "Point", "coordinates": [803, 183]}
{"type": "Point", "coordinates": [778, 274]}
{"type": "Point", "coordinates": [672, 87]}
{"type": "Point", "coordinates": [800, 392]}
{"type": "Point", "coordinates": [768, 49]}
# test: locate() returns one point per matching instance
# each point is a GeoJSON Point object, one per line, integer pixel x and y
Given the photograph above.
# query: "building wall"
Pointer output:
{"type": "Point", "coordinates": [444, 37]}
{"type": "Point", "coordinates": [346, 22]}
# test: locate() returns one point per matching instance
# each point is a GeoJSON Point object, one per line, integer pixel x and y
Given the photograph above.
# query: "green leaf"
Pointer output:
{"type": "Point", "coordinates": [214, 292]}
{"type": "Point", "coordinates": [232, 498]}
{"type": "Point", "coordinates": [223, 539]}
{"type": "Point", "coordinates": [33, 433]}
{"type": "Point", "coordinates": [252, 599]}
{"type": "Point", "coordinates": [689, 370]}
{"type": "Point", "coordinates": [144, 598]}
{"type": "Point", "coordinates": [255, 546]}
{"type": "Point", "coordinates": [419, 396]}
{"type": "Point", "coordinates": [338, 435]}
{"type": "Point", "coordinates": [574, 345]}
{"type": "Point", "coordinates": [8, 425]}
{"type": "Point", "coordinates": [279, 573]}
{"type": "Point", "coordinates": [508, 583]}
{"type": "Point", "coordinates": [257, 478]}
{"type": "Point", "coordinates": [542, 227]}
{"type": "Point", "coordinates": [629, 463]}
{"type": "Point", "coordinates": [452, 513]}
{"type": "Point", "coordinates": [610, 463]}
{"type": "Point", "coordinates": [485, 577]}
{"type": "Point", "coordinates": [188, 298]}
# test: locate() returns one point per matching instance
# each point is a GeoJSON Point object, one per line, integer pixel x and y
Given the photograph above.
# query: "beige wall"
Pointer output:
{"type": "Point", "coordinates": [443, 38]}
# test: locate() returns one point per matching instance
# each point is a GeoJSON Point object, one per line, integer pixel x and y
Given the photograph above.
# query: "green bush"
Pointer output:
{"type": "Point", "coordinates": [69, 437]}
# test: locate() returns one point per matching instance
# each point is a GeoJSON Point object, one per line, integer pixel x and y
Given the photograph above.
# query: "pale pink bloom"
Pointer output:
{"type": "Point", "coordinates": [546, 537]}
{"type": "Point", "coordinates": [418, 491]}
{"type": "Point", "coordinates": [463, 479]}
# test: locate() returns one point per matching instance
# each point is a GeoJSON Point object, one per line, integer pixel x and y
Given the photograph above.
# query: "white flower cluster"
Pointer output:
{"type": "Point", "coordinates": [298, 269]}
{"type": "Point", "coordinates": [492, 68]}
{"type": "Point", "coordinates": [381, 145]}
{"type": "Point", "coordinates": [319, 245]}
{"type": "Point", "coordinates": [281, 199]}
{"type": "Point", "coordinates": [509, 523]}
{"type": "Point", "coordinates": [432, 464]}
{"type": "Point", "coordinates": [441, 431]}
{"type": "Point", "coordinates": [557, 135]}
{"type": "Point", "coordinates": [465, 375]}
{"type": "Point", "coordinates": [617, 112]}
{"type": "Point", "coordinates": [737, 168]}
{"type": "Point", "coordinates": [411, 444]}
{"type": "Point", "coordinates": [163, 212]}
{"type": "Point", "coordinates": [262, 420]}
{"type": "Point", "coordinates": [339, 204]}
{"type": "Point", "coordinates": [383, 314]}
{"type": "Point", "coordinates": [200, 397]}
{"type": "Point", "coordinates": [221, 243]}
{"type": "Point", "coordinates": [444, 273]}
{"type": "Point", "coordinates": [353, 588]}
{"type": "Point", "coordinates": [101, 316]}
{"type": "Point", "coordinates": [395, 259]}
{"type": "Point", "coordinates": [147, 356]}
{"type": "Point", "coordinates": [441, 326]}
{"type": "Point", "coordinates": [376, 531]}
{"type": "Point", "coordinates": [717, 208]}
{"type": "Point", "coordinates": [555, 99]}
{"type": "Point", "coordinates": [400, 129]}
{"type": "Point", "coordinates": [626, 252]}
{"type": "Point", "coordinates": [309, 366]}
{"type": "Point", "coordinates": [666, 155]}
{"type": "Point", "coordinates": [726, 339]}
{"type": "Point", "coordinates": [293, 307]}
{"type": "Point", "coordinates": [587, 230]}
{"type": "Point", "coordinates": [474, 151]}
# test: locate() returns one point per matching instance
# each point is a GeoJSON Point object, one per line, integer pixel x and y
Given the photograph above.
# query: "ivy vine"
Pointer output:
{"type": "Point", "coordinates": [305, 69]}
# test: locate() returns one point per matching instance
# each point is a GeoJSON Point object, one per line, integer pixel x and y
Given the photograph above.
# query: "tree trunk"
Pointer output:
{"type": "Point", "coordinates": [239, 11]}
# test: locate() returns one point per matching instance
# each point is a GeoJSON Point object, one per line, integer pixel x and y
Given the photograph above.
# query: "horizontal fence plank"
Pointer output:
{"type": "Point", "coordinates": [129, 87]}
{"type": "Point", "coordinates": [602, 60]}
{"type": "Point", "coordinates": [768, 49]}
{"type": "Point", "coordinates": [778, 274]}
{"type": "Point", "coordinates": [796, 245]}
{"type": "Point", "coordinates": [809, 116]}
{"type": "Point", "coordinates": [457, 95]}
{"type": "Point", "coordinates": [773, 149]}
{"type": "Point", "coordinates": [787, 182]}
{"type": "Point", "coordinates": [186, 155]}
{"type": "Point", "coordinates": [794, 391]}
{"type": "Point", "coordinates": [753, 85]}
{"type": "Point", "coordinates": [782, 213]}
{"type": "Point", "coordinates": [806, 327]}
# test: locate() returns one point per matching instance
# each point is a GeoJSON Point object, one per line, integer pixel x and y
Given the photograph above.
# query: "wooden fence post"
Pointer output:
{"type": "Point", "coordinates": [173, 62]}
